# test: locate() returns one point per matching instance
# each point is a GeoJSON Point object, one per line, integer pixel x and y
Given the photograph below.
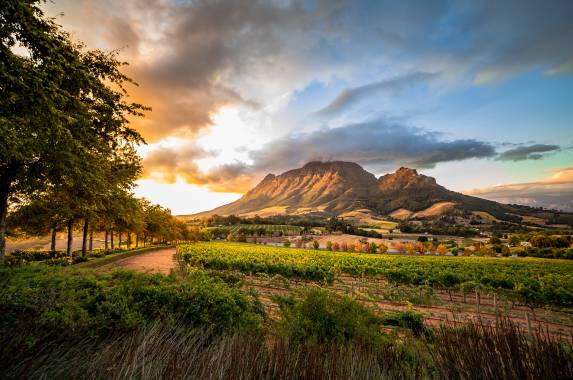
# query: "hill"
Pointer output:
{"type": "Point", "coordinates": [335, 188]}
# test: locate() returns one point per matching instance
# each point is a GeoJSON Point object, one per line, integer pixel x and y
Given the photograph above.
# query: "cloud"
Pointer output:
{"type": "Point", "coordinates": [168, 164]}
{"type": "Point", "coordinates": [555, 192]}
{"type": "Point", "coordinates": [529, 152]}
{"type": "Point", "coordinates": [378, 144]}
{"type": "Point", "coordinates": [191, 58]}
{"type": "Point", "coordinates": [393, 86]}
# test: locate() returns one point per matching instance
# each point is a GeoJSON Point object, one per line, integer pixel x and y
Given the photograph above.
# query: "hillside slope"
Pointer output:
{"type": "Point", "coordinates": [334, 188]}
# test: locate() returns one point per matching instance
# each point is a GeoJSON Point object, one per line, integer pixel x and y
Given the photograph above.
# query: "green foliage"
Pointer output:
{"type": "Point", "coordinates": [65, 137]}
{"type": "Point", "coordinates": [317, 316]}
{"type": "Point", "coordinates": [531, 280]}
{"type": "Point", "coordinates": [41, 302]}
{"type": "Point", "coordinates": [409, 320]}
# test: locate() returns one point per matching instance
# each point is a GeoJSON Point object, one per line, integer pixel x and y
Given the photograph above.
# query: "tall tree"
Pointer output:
{"type": "Point", "coordinates": [60, 106]}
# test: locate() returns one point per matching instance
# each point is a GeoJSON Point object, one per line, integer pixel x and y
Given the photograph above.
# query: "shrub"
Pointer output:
{"type": "Point", "coordinates": [316, 316]}
{"type": "Point", "coordinates": [409, 320]}
{"type": "Point", "coordinates": [286, 243]}
{"type": "Point", "coordinates": [23, 257]}
{"type": "Point", "coordinates": [315, 244]}
{"type": "Point", "coordinates": [39, 302]}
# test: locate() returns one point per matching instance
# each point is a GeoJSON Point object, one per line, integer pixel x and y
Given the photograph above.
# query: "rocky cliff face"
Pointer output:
{"type": "Point", "coordinates": [333, 188]}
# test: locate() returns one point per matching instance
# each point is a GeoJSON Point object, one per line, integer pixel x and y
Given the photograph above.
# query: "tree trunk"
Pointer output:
{"type": "Point", "coordinates": [136, 240]}
{"type": "Point", "coordinates": [53, 243]}
{"type": "Point", "coordinates": [106, 239]}
{"type": "Point", "coordinates": [85, 237]}
{"type": "Point", "coordinates": [70, 237]}
{"type": "Point", "coordinates": [3, 213]}
{"type": "Point", "coordinates": [119, 239]}
{"type": "Point", "coordinates": [91, 240]}
{"type": "Point", "coordinates": [128, 240]}
{"type": "Point", "coordinates": [112, 245]}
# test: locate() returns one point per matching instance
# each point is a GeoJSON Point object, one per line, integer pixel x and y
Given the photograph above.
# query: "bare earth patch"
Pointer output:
{"type": "Point", "coordinates": [162, 261]}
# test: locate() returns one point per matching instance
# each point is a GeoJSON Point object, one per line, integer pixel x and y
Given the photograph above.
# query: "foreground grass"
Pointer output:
{"type": "Point", "coordinates": [81, 323]}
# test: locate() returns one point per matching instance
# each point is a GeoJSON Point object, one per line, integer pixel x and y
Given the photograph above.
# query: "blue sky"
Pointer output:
{"type": "Point", "coordinates": [477, 94]}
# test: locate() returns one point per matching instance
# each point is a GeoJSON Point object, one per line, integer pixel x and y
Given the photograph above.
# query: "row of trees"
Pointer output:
{"type": "Point", "coordinates": [122, 215]}
{"type": "Point", "coordinates": [67, 150]}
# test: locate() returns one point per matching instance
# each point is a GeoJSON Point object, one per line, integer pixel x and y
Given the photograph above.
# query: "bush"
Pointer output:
{"type": "Point", "coordinates": [39, 302]}
{"type": "Point", "coordinates": [317, 316]}
{"type": "Point", "coordinates": [23, 257]}
{"type": "Point", "coordinates": [409, 320]}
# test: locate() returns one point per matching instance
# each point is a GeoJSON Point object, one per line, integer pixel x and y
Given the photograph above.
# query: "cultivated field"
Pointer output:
{"type": "Point", "coordinates": [537, 294]}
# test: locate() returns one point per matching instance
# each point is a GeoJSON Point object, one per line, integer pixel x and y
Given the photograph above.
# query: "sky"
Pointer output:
{"type": "Point", "coordinates": [478, 95]}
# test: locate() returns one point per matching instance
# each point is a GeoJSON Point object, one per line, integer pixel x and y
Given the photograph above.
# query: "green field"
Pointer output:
{"type": "Point", "coordinates": [532, 281]}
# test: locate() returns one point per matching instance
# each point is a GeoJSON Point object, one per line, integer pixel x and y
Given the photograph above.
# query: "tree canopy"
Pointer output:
{"type": "Point", "coordinates": [64, 128]}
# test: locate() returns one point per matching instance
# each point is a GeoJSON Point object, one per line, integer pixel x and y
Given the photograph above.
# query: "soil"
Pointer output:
{"type": "Point", "coordinates": [162, 261]}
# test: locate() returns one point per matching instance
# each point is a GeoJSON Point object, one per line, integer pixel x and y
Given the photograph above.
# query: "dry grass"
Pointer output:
{"type": "Point", "coordinates": [475, 351]}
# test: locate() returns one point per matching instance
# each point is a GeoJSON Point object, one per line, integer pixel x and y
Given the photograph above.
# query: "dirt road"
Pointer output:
{"type": "Point", "coordinates": [162, 261]}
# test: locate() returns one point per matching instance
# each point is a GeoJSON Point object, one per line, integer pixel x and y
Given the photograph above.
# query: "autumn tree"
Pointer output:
{"type": "Point", "coordinates": [441, 249]}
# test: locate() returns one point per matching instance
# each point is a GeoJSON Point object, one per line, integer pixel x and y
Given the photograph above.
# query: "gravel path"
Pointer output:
{"type": "Point", "coordinates": [162, 261]}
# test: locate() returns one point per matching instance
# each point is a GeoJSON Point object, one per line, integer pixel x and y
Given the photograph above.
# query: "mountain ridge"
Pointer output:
{"type": "Point", "coordinates": [335, 187]}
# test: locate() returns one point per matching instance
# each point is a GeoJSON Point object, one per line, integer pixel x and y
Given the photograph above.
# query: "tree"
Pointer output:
{"type": "Point", "coordinates": [60, 107]}
{"type": "Point", "coordinates": [514, 240]}
{"type": "Point", "coordinates": [39, 217]}
{"type": "Point", "coordinates": [383, 248]}
{"type": "Point", "coordinates": [410, 248]}
{"type": "Point", "coordinates": [286, 242]}
{"type": "Point", "coordinates": [372, 248]}
{"type": "Point", "coordinates": [329, 245]}
{"type": "Point", "coordinates": [442, 249]}
{"type": "Point", "coordinates": [315, 244]}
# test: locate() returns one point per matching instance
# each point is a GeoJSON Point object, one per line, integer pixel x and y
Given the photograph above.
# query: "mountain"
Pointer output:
{"type": "Point", "coordinates": [339, 188]}
{"type": "Point", "coordinates": [329, 187]}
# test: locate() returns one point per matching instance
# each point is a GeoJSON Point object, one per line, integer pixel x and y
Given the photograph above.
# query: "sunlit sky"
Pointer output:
{"type": "Point", "coordinates": [476, 94]}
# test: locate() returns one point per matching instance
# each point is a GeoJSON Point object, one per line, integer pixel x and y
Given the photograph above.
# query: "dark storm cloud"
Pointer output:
{"type": "Point", "coordinates": [530, 152]}
{"type": "Point", "coordinates": [378, 144]}
{"type": "Point", "coordinates": [393, 86]}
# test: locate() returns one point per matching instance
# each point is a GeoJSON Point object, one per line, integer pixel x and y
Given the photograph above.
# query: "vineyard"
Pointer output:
{"type": "Point", "coordinates": [269, 229]}
{"type": "Point", "coordinates": [532, 281]}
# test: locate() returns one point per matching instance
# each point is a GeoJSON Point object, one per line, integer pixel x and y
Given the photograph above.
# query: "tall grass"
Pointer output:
{"type": "Point", "coordinates": [162, 351]}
